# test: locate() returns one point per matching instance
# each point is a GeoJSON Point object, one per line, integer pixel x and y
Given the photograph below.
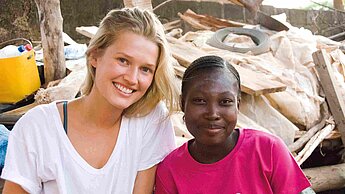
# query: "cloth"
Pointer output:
{"type": "Point", "coordinates": [41, 158]}
{"type": "Point", "coordinates": [259, 163]}
{"type": "Point", "coordinates": [3, 144]}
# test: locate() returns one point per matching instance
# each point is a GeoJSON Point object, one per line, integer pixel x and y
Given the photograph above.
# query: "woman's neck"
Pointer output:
{"type": "Point", "coordinates": [208, 154]}
{"type": "Point", "coordinates": [97, 112]}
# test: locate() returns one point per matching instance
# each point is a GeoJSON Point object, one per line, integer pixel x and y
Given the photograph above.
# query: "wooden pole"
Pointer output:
{"type": "Point", "coordinates": [51, 36]}
{"type": "Point", "coordinates": [338, 5]}
{"type": "Point", "coordinates": [326, 177]}
{"type": "Point", "coordinates": [333, 96]}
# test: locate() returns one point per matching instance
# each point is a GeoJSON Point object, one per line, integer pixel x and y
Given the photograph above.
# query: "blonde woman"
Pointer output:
{"type": "Point", "coordinates": [110, 139]}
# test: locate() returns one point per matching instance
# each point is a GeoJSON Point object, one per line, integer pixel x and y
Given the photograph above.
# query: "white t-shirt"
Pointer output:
{"type": "Point", "coordinates": [41, 158]}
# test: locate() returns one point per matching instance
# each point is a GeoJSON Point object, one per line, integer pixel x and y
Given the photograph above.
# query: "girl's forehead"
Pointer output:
{"type": "Point", "coordinates": [212, 74]}
{"type": "Point", "coordinates": [220, 78]}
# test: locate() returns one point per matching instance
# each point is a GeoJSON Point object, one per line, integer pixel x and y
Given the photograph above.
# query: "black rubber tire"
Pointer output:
{"type": "Point", "coordinates": [261, 40]}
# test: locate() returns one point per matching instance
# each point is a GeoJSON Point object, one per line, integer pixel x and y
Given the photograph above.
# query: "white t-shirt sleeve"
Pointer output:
{"type": "Point", "coordinates": [158, 138]}
{"type": "Point", "coordinates": [21, 162]}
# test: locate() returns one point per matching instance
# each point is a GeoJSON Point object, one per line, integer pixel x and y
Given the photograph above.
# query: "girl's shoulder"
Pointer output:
{"type": "Point", "coordinates": [177, 155]}
{"type": "Point", "coordinates": [259, 136]}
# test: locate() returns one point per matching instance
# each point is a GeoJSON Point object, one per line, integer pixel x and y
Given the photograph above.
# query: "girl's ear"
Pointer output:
{"type": "Point", "coordinates": [238, 104]}
{"type": "Point", "coordinates": [181, 103]}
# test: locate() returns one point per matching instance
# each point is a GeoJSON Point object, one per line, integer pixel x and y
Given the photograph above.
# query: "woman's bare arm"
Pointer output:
{"type": "Point", "coordinates": [10, 187]}
{"type": "Point", "coordinates": [145, 181]}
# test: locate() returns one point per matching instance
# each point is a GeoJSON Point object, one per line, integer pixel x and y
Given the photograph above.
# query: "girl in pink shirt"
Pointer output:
{"type": "Point", "coordinates": [222, 159]}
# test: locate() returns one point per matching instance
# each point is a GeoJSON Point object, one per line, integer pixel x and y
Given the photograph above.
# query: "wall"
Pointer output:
{"type": "Point", "coordinates": [20, 18]}
{"type": "Point", "coordinates": [325, 23]}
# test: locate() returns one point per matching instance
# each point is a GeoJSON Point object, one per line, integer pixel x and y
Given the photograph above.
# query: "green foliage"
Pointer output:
{"type": "Point", "coordinates": [323, 5]}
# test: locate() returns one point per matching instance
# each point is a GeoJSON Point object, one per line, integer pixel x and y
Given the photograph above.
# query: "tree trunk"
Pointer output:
{"type": "Point", "coordinates": [51, 35]}
{"type": "Point", "coordinates": [326, 177]}
{"type": "Point", "coordinates": [143, 4]}
{"type": "Point", "coordinates": [338, 4]}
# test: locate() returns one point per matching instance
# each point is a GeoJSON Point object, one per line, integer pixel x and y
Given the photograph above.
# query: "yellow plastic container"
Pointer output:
{"type": "Point", "coordinates": [18, 77]}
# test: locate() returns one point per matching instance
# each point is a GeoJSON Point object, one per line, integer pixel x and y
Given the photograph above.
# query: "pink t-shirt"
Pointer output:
{"type": "Point", "coordinates": [260, 163]}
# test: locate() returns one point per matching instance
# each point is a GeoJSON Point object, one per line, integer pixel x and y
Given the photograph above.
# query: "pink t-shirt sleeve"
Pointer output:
{"type": "Point", "coordinates": [287, 176]}
{"type": "Point", "coordinates": [160, 188]}
{"type": "Point", "coordinates": [164, 180]}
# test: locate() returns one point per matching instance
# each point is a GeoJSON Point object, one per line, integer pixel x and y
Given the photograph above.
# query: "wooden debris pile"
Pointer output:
{"type": "Point", "coordinates": [287, 91]}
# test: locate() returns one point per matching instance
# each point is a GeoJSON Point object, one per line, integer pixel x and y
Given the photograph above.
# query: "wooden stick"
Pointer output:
{"type": "Point", "coordinates": [313, 143]}
{"type": "Point", "coordinates": [306, 137]}
{"type": "Point", "coordinates": [337, 36]}
{"type": "Point", "coordinates": [161, 4]}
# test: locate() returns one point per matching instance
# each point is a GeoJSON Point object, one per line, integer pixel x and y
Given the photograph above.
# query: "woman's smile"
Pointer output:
{"type": "Point", "coordinates": [123, 88]}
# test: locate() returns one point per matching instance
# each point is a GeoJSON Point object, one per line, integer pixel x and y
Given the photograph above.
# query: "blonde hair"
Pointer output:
{"type": "Point", "coordinates": [145, 23]}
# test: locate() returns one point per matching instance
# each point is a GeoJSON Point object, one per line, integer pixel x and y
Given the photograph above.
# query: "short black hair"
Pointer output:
{"type": "Point", "coordinates": [209, 61]}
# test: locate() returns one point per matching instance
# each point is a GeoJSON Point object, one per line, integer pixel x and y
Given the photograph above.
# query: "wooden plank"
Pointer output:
{"type": "Point", "coordinates": [207, 22]}
{"type": "Point", "coordinates": [252, 83]}
{"type": "Point", "coordinates": [20, 111]}
{"type": "Point", "coordinates": [171, 25]}
{"type": "Point", "coordinates": [183, 52]}
{"type": "Point", "coordinates": [195, 23]}
{"type": "Point", "coordinates": [330, 87]}
{"type": "Point", "coordinates": [143, 4]}
{"type": "Point", "coordinates": [255, 83]}
{"type": "Point", "coordinates": [88, 31]}
{"type": "Point", "coordinates": [11, 117]}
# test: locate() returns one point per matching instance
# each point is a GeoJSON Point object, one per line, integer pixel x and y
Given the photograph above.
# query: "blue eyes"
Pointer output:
{"type": "Point", "coordinates": [147, 69]}
{"type": "Point", "coordinates": [125, 62]}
